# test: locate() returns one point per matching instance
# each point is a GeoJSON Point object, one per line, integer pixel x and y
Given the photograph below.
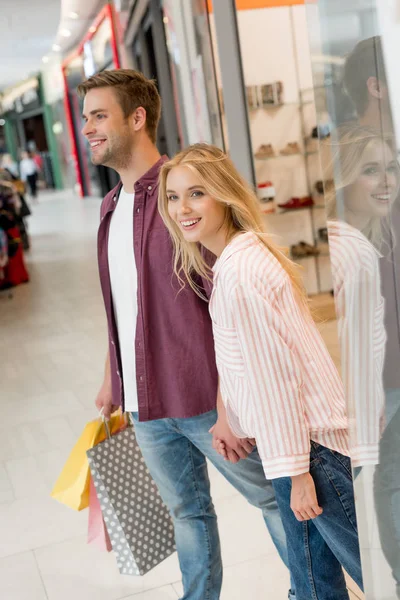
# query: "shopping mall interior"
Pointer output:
{"type": "Point", "coordinates": [304, 97]}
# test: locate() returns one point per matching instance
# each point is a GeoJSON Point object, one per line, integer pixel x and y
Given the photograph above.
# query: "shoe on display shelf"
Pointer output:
{"type": "Point", "coordinates": [321, 131]}
{"type": "Point", "coordinates": [319, 186]}
{"type": "Point", "coordinates": [268, 208]}
{"type": "Point", "coordinates": [291, 148]}
{"type": "Point", "coordinates": [265, 151]}
{"type": "Point", "coordinates": [266, 191]}
{"type": "Point", "coordinates": [302, 249]}
{"type": "Point", "coordinates": [323, 234]}
{"type": "Point", "coordinates": [252, 97]}
{"type": "Point", "coordinates": [297, 203]}
{"type": "Point", "coordinates": [266, 94]}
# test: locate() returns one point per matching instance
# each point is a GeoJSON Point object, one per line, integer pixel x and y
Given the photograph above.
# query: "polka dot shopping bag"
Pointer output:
{"type": "Point", "coordinates": [138, 523]}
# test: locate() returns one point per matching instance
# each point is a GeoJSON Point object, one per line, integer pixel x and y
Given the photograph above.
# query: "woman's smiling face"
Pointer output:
{"type": "Point", "coordinates": [200, 217]}
{"type": "Point", "coordinates": [377, 184]}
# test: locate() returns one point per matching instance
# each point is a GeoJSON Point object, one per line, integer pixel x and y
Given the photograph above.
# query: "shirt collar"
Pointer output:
{"type": "Point", "coordinates": [341, 228]}
{"type": "Point", "coordinates": [149, 181]}
{"type": "Point", "coordinates": [238, 243]}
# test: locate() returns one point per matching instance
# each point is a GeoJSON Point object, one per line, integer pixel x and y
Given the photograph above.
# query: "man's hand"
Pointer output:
{"type": "Point", "coordinates": [303, 501]}
{"type": "Point", "coordinates": [227, 444]}
{"type": "Point", "coordinates": [104, 400]}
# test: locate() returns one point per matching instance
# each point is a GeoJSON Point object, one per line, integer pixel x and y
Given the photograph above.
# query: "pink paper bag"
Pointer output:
{"type": "Point", "coordinates": [97, 530]}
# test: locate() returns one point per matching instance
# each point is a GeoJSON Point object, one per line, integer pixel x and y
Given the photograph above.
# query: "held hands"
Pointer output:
{"type": "Point", "coordinates": [304, 502]}
{"type": "Point", "coordinates": [104, 401]}
{"type": "Point", "coordinates": [227, 444]}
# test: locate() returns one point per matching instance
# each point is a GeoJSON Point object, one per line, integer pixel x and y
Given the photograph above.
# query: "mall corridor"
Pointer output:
{"type": "Point", "coordinates": [53, 332]}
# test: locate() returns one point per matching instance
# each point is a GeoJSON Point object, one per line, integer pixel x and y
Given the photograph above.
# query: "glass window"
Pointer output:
{"type": "Point", "coordinates": [354, 62]}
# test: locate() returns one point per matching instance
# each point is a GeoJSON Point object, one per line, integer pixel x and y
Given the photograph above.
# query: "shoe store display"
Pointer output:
{"type": "Point", "coordinates": [303, 249]}
{"type": "Point", "coordinates": [279, 91]}
{"type": "Point", "coordinates": [266, 191]}
{"type": "Point", "coordinates": [268, 207]}
{"type": "Point", "coordinates": [297, 203]}
{"type": "Point", "coordinates": [323, 234]}
{"type": "Point", "coordinates": [266, 94]}
{"type": "Point", "coordinates": [319, 186]}
{"type": "Point", "coordinates": [321, 132]}
{"type": "Point", "coordinates": [252, 97]}
{"type": "Point", "coordinates": [265, 151]}
{"type": "Point", "coordinates": [270, 94]}
{"type": "Point", "coordinates": [291, 148]}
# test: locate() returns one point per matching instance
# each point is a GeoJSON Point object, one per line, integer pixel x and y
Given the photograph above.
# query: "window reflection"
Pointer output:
{"type": "Point", "coordinates": [361, 186]}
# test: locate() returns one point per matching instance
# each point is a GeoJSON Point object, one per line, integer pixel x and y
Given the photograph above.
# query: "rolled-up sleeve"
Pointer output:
{"type": "Point", "coordinates": [274, 380]}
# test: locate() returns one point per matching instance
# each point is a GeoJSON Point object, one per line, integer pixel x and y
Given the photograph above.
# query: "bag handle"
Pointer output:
{"type": "Point", "coordinates": [107, 427]}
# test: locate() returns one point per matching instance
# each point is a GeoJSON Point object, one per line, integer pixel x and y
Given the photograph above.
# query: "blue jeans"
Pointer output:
{"type": "Point", "coordinates": [319, 548]}
{"type": "Point", "coordinates": [175, 452]}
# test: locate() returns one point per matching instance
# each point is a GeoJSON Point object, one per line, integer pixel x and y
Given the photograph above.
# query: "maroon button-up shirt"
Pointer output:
{"type": "Point", "coordinates": [176, 374]}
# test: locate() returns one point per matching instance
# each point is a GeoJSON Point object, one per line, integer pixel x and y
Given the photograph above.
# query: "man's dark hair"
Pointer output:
{"type": "Point", "coordinates": [365, 61]}
{"type": "Point", "coordinates": [133, 90]}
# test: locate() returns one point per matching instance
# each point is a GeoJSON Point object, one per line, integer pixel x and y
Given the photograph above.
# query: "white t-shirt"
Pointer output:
{"type": "Point", "coordinates": [123, 276]}
{"type": "Point", "coordinates": [27, 167]}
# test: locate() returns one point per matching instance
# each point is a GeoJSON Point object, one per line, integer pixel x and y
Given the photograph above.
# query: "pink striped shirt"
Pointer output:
{"type": "Point", "coordinates": [278, 381]}
{"type": "Point", "coordinates": [362, 336]}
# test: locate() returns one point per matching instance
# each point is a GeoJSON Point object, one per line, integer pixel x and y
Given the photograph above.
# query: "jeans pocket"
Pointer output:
{"type": "Point", "coordinates": [344, 461]}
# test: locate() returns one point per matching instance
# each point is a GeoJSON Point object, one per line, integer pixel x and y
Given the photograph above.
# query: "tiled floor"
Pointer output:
{"type": "Point", "coordinates": [53, 333]}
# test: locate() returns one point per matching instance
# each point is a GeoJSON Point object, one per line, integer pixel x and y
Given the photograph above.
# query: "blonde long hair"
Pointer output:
{"type": "Point", "coordinates": [222, 182]}
{"type": "Point", "coordinates": [341, 163]}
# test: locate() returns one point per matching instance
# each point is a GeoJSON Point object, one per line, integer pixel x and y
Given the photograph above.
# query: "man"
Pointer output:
{"type": "Point", "coordinates": [366, 83]}
{"type": "Point", "coordinates": [157, 366]}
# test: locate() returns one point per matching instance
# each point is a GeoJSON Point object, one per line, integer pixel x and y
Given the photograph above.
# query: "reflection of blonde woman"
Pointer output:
{"type": "Point", "coordinates": [277, 379]}
{"type": "Point", "coordinates": [361, 183]}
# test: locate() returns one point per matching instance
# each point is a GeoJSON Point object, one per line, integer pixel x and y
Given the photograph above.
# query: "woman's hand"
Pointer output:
{"type": "Point", "coordinates": [303, 501]}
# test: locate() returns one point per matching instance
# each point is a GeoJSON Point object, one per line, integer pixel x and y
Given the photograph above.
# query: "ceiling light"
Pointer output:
{"type": "Point", "coordinates": [73, 15]}
{"type": "Point", "coordinates": [45, 59]}
{"type": "Point", "coordinates": [92, 29]}
{"type": "Point", "coordinates": [65, 32]}
{"type": "Point", "coordinates": [56, 47]}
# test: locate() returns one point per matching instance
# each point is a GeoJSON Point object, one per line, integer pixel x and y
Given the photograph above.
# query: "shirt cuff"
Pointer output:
{"type": "Point", "coordinates": [287, 466]}
{"type": "Point", "coordinates": [361, 456]}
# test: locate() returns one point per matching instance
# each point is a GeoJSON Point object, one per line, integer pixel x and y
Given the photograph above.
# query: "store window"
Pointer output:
{"type": "Point", "coordinates": [192, 59]}
{"type": "Point", "coordinates": [275, 55]}
{"type": "Point", "coordinates": [96, 52]}
{"type": "Point", "coordinates": [354, 50]}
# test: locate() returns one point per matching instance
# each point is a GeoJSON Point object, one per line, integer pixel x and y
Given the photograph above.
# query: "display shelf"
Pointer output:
{"type": "Point", "coordinates": [271, 106]}
{"type": "Point", "coordinates": [282, 211]}
{"type": "Point", "coordinates": [320, 255]}
{"type": "Point", "coordinates": [279, 156]}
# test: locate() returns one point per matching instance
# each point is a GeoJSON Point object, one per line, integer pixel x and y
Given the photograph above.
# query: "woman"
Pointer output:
{"type": "Point", "coordinates": [278, 382]}
{"type": "Point", "coordinates": [366, 183]}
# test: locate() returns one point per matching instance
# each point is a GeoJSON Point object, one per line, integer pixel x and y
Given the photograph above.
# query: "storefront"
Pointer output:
{"type": "Point", "coordinates": [97, 51]}
{"type": "Point", "coordinates": [146, 50]}
{"type": "Point", "coordinates": [28, 126]}
{"type": "Point", "coordinates": [304, 95]}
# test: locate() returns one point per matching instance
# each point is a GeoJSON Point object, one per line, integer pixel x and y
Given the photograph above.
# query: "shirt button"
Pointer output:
{"type": "Point", "coordinates": [141, 378]}
{"type": "Point", "coordinates": [112, 343]}
{"type": "Point", "coordinates": [119, 374]}
{"type": "Point", "coordinates": [138, 210]}
{"type": "Point", "coordinates": [150, 188]}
